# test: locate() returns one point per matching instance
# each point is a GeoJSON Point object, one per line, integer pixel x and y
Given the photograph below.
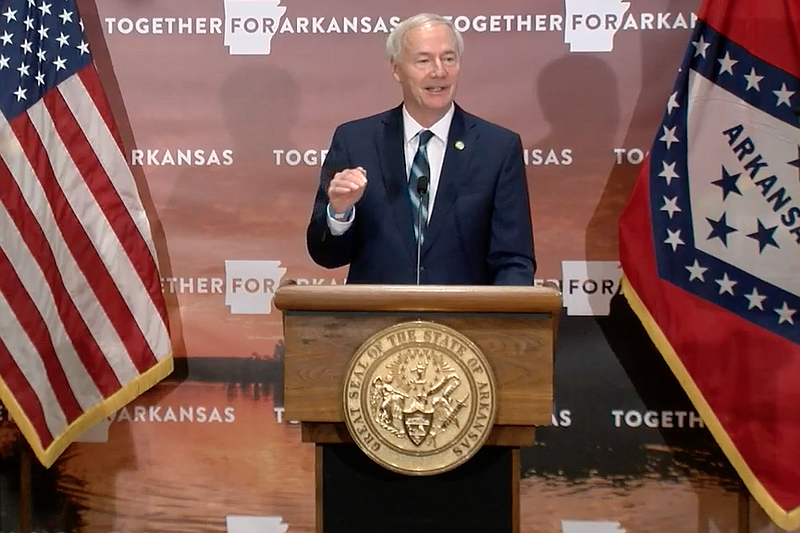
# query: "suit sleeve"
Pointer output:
{"type": "Point", "coordinates": [511, 257]}
{"type": "Point", "coordinates": [326, 249]}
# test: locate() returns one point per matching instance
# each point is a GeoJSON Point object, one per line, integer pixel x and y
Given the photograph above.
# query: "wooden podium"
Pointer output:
{"type": "Point", "coordinates": [324, 326]}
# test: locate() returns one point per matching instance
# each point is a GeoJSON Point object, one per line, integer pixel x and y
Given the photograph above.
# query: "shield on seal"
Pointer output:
{"type": "Point", "coordinates": [418, 426]}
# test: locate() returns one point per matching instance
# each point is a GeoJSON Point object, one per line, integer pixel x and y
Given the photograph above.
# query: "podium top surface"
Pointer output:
{"type": "Point", "coordinates": [418, 298]}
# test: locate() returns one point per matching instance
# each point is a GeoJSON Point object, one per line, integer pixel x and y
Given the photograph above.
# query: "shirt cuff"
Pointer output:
{"type": "Point", "coordinates": [338, 224]}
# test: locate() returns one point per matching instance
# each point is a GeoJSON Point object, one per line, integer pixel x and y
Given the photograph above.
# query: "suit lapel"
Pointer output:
{"type": "Point", "coordinates": [391, 155]}
{"type": "Point", "coordinates": [458, 153]}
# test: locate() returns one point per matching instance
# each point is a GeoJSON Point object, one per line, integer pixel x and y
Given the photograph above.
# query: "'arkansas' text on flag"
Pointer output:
{"type": "Point", "coordinates": [710, 240]}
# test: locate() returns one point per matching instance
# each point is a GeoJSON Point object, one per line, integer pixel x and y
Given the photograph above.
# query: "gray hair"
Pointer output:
{"type": "Point", "coordinates": [394, 42]}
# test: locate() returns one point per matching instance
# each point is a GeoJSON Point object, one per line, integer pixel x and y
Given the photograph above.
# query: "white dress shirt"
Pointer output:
{"type": "Point", "coordinates": [436, 149]}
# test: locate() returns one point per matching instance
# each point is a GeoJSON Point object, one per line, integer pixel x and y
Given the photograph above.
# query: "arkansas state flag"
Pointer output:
{"type": "Point", "coordinates": [710, 240]}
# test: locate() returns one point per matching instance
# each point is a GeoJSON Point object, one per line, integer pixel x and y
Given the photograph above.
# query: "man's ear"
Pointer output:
{"type": "Point", "coordinates": [394, 70]}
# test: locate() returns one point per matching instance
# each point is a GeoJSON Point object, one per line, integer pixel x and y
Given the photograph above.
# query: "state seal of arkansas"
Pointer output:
{"type": "Point", "coordinates": [419, 398]}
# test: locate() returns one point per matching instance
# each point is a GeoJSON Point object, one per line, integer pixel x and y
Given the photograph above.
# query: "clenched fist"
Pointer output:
{"type": "Point", "coordinates": [346, 188]}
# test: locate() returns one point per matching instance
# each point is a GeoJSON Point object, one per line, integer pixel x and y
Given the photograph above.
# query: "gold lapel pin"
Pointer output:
{"type": "Point", "coordinates": [459, 145]}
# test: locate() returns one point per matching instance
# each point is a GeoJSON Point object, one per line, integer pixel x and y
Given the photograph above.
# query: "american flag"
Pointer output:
{"type": "Point", "coordinates": [83, 322]}
{"type": "Point", "coordinates": [710, 240]}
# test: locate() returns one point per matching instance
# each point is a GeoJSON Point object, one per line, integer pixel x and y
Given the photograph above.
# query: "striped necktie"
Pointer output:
{"type": "Point", "coordinates": [420, 167]}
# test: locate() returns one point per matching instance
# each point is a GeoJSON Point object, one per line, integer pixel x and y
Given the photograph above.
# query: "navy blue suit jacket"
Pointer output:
{"type": "Point", "coordinates": [479, 232]}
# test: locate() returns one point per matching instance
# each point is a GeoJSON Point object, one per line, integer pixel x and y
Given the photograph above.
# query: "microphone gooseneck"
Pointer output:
{"type": "Point", "coordinates": [422, 190]}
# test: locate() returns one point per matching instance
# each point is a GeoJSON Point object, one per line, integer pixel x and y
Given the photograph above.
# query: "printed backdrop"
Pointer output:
{"type": "Point", "coordinates": [226, 119]}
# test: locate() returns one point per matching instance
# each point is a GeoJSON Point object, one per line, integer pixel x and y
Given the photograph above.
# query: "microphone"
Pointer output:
{"type": "Point", "coordinates": [422, 191]}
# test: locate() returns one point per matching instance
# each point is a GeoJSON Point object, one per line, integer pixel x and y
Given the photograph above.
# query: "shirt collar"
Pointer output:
{"type": "Point", "coordinates": [441, 129]}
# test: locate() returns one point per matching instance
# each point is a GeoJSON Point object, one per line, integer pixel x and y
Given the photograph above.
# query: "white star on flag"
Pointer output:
{"type": "Point", "coordinates": [783, 96]}
{"type": "Point", "coordinates": [700, 47]}
{"type": "Point", "coordinates": [670, 206]}
{"type": "Point", "coordinates": [726, 284]}
{"type": "Point", "coordinates": [755, 299]}
{"type": "Point", "coordinates": [785, 313]}
{"type": "Point", "coordinates": [753, 80]}
{"type": "Point", "coordinates": [727, 64]}
{"type": "Point", "coordinates": [673, 102]}
{"type": "Point", "coordinates": [674, 239]}
{"type": "Point", "coordinates": [668, 172]}
{"type": "Point", "coordinates": [65, 16]}
{"type": "Point", "coordinates": [696, 271]}
{"type": "Point", "coordinates": [669, 136]}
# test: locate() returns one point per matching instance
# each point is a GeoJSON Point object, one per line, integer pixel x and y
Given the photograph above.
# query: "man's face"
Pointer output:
{"type": "Point", "coordinates": [427, 69]}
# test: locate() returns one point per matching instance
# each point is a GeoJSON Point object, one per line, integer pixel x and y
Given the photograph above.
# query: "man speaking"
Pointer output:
{"type": "Point", "coordinates": [425, 192]}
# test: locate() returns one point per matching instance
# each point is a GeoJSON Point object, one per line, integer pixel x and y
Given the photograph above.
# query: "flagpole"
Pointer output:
{"type": "Point", "coordinates": [743, 508]}
{"type": "Point", "coordinates": [25, 493]}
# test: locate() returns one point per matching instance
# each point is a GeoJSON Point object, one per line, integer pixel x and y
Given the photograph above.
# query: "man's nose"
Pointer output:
{"type": "Point", "coordinates": [438, 68]}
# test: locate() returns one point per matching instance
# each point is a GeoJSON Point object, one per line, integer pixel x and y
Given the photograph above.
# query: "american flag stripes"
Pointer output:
{"type": "Point", "coordinates": [83, 322]}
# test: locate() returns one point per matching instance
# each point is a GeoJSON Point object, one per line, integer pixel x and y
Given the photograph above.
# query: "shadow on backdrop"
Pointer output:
{"type": "Point", "coordinates": [578, 96]}
{"type": "Point", "coordinates": [260, 106]}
